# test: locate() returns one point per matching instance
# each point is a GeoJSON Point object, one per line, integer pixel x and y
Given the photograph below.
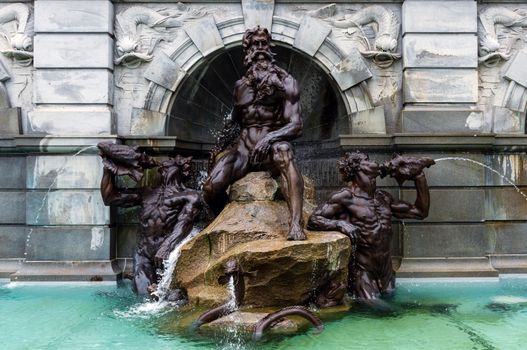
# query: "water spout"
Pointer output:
{"type": "Point", "coordinates": [505, 178]}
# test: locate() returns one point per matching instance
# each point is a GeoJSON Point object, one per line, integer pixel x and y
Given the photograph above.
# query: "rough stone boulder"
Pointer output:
{"type": "Point", "coordinates": [252, 229]}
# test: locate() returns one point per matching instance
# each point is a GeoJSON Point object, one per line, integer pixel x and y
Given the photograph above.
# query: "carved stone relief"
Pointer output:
{"type": "Point", "coordinates": [151, 40]}
{"type": "Point", "coordinates": [16, 41]}
{"type": "Point", "coordinates": [139, 29]}
{"type": "Point", "coordinates": [502, 76]}
{"type": "Point", "coordinates": [492, 49]}
{"type": "Point", "coordinates": [372, 39]}
{"type": "Point", "coordinates": [385, 24]}
{"type": "Point", "coordinates": [374, 32]}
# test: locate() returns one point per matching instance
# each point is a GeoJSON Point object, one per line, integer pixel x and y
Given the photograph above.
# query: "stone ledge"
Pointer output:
{"type": "Point", "coordinates": [162, 144]}
{"type": "Point", "coordinates": [52, 144]}
{"type": "Point", "coordinates": [446, 267]}
{"type": "Point", "coordinates": [510, 263]}
{"type": "Point", "coordinates": [9, 266]}
{"type": "Point", "coordinates": [68, 271]}
{"type": "Point", "coordinates": [429, 141]}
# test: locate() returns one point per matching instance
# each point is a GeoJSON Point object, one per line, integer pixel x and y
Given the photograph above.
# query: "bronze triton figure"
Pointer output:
{"type": "Point", "coordinates": [167, 213]}
{"type": "Point", "coordinates": [364, 213]}
{"type": "Point", "coordinates": [267, 108]}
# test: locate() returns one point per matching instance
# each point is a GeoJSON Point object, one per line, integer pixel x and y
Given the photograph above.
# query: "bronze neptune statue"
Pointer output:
{"type": "Point", "coordinates": [267, 109]}
{"type": "Point", "coordinates": [168, 210]}
{"type": "Point", "coordinates": [364, 213]}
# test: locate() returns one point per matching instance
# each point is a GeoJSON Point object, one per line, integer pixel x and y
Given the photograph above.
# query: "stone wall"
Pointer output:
{"type": "Point", "coordinates": [436, 78]}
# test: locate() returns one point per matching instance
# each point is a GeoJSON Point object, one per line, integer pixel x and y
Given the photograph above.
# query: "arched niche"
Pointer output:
{"type": "Point", "coordinates": [204, 98]}
{"type": "Point", "coordinates": [328, 99]}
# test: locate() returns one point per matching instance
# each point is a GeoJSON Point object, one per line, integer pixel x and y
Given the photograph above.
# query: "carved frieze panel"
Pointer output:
{"type": "Point", "coordinates": [370, 34]}
{"type": "Point", "coordinates": [16, 46]}
{"type": "Point", "coordinates": [372, 30]}
{"type": "Point", "coordinates": [149, 38]}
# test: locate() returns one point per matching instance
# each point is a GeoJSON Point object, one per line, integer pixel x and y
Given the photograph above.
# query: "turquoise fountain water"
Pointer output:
{"type": "Point", "coordinates": [423, 315]}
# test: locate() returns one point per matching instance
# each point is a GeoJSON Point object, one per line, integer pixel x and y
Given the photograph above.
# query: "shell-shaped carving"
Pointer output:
{"type": "Point", "coordinates": [21, 44]}
{"type": "Point", "coordinates": [128, 47]}
{"type": "Point", "coordinates": [489, 46]}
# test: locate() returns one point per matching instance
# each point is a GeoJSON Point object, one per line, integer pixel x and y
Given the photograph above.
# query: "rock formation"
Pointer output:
{"type": "Point", "coordinates": [252, 229]}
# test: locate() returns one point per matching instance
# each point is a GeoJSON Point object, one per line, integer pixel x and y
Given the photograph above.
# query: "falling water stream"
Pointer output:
{"type": "Point", "coordinates": [170, 265]}
{"type": "Point", "coordinates": [232, 339]}
{"type": "Point", "coordinates": [506, 179]}
{"type": "Point", "coordinates": [46, 195]}
{"type": "Point", "coordinates": [161, 306]}
{"type": "Point", "coordinates": [231, 304]}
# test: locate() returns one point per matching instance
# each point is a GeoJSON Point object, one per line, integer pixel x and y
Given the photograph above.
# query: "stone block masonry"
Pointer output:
{"type": "Point", "coordinates": [440, 58]}
{"type": "Point", "coordinates": [74, 67]}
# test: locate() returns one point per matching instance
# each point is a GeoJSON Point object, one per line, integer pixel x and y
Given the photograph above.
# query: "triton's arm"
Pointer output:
{"type": "Point", "coordinates": [111, 195]}
{"type": "Point", "coordinates": [326, 216]}
{"type": "Point", "coordinates": [418, 210]}
{"type": "Point", "coordinates": [291, 114]}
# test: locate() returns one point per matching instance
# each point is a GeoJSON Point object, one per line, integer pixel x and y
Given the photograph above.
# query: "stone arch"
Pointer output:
{"type": "Point", "coordinates": [308, 36]}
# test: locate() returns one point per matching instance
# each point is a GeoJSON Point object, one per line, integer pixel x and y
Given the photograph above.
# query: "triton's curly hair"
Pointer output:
{"type": "Point", "coordinates": [350, 163]}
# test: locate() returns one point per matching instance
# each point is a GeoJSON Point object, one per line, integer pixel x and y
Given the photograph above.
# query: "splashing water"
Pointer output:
{"type": "Point", "coordinates": [46, 195]}
{"type": "Point", "coordinates": [314, 277]}
{"type": "Point", "coordinates": [152, 308]}
{"type": "Point", "coordinates": [505, 178]}
{"type": "Point", "coordinates": [200, 181]}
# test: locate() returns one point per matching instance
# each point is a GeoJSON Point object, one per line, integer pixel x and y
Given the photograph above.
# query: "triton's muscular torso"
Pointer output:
{"type": "Point", "coordinates": [156, 217]}
{"type": "Point", "coordinates": [374, 218]}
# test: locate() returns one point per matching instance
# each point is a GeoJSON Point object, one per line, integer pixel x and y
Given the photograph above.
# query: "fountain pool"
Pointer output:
{"type": "Point", "coordinates": [424, 314]}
